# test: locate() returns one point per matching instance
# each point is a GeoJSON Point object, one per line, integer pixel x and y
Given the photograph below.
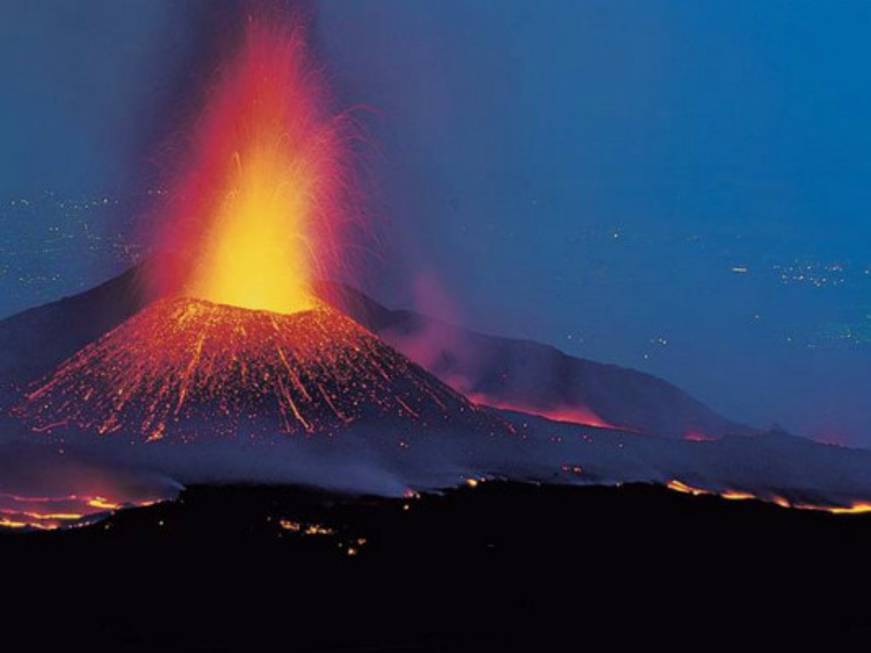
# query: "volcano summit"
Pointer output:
{"type": "Point", "coordinates": [184, 367]}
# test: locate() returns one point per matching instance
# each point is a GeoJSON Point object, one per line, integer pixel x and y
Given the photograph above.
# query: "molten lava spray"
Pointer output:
{"type": "Point", "coordinates": [244, 347]}
{"type": "Point", "coordinates": [256, 214]}
{"type": "Point", "coordinates": [190, 368]}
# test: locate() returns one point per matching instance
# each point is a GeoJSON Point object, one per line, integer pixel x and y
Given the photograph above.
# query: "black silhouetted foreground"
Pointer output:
{"type": "Point", "coordinates": [500, 566]}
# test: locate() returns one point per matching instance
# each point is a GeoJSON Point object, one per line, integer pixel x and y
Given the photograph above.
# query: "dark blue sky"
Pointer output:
{"type": "Point", "coordinates": [588, 174]}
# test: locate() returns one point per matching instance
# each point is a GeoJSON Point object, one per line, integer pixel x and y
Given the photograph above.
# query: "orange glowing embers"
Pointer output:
{"type": "Point", "coordinates": [736, 495]}
{"type": "Point", "coordinates": [683, 488]}
{"type": "Point", "coordinates": [352, 547]}
{"type": "Point", "coordinates": [575, 470]}
{"type": "Point", "coordinates": [257, 211]}
{"type": "Point", "coordinates": [185, 368]}
{"type": "Point", "coordinates": [305, 529]}
{"type": "Point", "coordinates": [855, 508]}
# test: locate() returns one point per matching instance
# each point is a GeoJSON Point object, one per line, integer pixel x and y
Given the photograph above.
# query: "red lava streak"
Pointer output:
{"type": "Point", "coordinates": [698, 436]}
{"type": "Point", "coordinates": [183, 367]}
{"type": "Point", "coordinates": [568, 414]}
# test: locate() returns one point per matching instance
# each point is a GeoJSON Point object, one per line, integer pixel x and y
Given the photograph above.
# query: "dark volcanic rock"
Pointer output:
{"type": "Point", "coordinates": [499, 567]}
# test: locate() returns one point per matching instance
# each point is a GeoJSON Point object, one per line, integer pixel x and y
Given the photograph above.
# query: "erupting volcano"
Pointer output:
{"type": "Point", "coordinates": [240, 345]}
{"type": "Point", "coordinates": [233, 339]}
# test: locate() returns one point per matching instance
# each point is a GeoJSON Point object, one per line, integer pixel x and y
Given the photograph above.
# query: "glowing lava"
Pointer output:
{"type": "Point", "coordinates": [185, 367]}
{"type": "Point", "coordinates": [257, 212]}
{"type": "Point", "coordinates": [22, 510]}
{"type": "Point", "coordinates": [568, 414]}
{"type": "Point", "coordinates": [52, 513]}
{"type": "Point", "coordinates": [853, 508]}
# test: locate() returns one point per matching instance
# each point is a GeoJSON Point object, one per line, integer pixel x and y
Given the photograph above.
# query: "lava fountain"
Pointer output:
{"type": "Point", "coordinates": [258, 208]}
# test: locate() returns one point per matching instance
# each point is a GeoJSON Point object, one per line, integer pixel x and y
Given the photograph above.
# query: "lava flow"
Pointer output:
{"type": "Point", "coordinates": [44, 488]}
{"type": "Point", "coordinates": [853, 508]}
{"type": "Point", "coordinates": [569, 414]}
{"type": "Point", "coordinates": [52, 513]}
{"type": "Point", "coordinates": [185, 366]}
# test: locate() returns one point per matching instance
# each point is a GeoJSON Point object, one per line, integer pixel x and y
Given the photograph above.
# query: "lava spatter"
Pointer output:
{"type": "Point", "coordinates": [260, 202]}
{"type": "Point", "coordinates": [186, 368]}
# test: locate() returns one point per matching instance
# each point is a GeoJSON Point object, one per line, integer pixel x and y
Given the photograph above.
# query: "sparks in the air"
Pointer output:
{"type": "Point", "coordinates": [255, 215]}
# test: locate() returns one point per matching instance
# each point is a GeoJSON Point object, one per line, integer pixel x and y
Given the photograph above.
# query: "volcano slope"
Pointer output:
{"type": "Point", "coordinates": [185, 368]}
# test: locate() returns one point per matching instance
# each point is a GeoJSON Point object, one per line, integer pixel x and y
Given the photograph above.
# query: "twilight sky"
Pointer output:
{"type": "Point", "coordinates": [679, 187]}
